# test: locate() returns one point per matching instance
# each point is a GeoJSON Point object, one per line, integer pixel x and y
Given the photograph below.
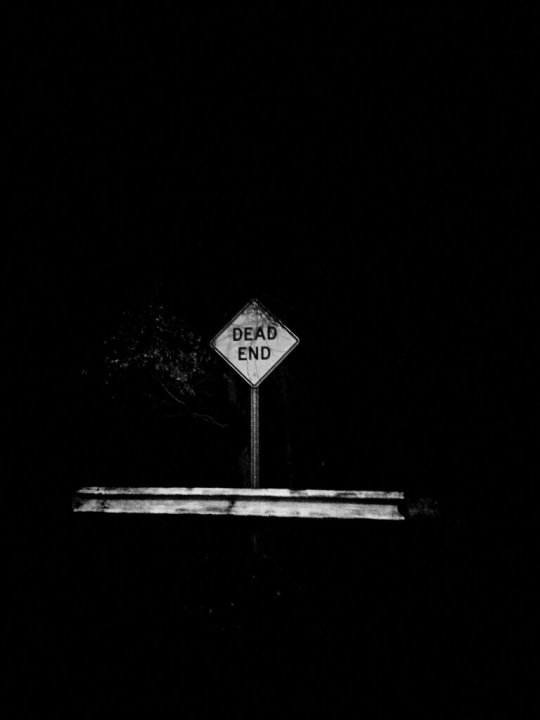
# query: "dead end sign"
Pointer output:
{"type": "Point", "coordinates": [254, 342]}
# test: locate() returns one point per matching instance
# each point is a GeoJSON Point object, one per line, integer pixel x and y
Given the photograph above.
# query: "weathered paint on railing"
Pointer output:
{"type": "Point", "coordinates": [255, 502]}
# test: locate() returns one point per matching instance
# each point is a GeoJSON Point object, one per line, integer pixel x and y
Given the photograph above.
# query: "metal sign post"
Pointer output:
{"type": "Point", "coordinates": [254, 455]}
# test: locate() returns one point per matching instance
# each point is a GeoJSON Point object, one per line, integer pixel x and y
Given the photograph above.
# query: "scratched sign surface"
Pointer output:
{"type": "Point", "coordinates": [254, 342]}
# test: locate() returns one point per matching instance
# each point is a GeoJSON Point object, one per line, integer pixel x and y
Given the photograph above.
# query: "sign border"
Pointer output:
{"type": "Point", "coordinates": [272, 317]}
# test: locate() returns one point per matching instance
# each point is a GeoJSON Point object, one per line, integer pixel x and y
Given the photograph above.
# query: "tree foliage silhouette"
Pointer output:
{"type": "Point", "coordinates": [157, 353]}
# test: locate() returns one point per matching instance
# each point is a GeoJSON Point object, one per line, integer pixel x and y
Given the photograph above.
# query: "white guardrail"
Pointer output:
{"type": "Point", "coordinates": [260, 502]}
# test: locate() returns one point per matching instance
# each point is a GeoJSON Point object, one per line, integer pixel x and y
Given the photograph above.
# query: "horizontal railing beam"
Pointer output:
{"type": "Point", "coordinates": [259, 502]}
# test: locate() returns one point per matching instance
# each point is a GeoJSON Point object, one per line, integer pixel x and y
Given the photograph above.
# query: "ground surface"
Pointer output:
{"type": "Point", "coordinates": [165, 615]}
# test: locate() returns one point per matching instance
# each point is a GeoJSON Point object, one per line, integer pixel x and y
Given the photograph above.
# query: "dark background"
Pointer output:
{"type": "Point", "coordinates": [370, 176]}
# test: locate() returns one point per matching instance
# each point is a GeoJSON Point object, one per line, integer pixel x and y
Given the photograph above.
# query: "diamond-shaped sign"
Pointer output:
{"type": "Point", "coordinates": [254, 342]}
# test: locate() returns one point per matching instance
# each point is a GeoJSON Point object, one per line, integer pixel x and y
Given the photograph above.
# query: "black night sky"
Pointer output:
{"type": "Point", "coordinates": [371, 177]}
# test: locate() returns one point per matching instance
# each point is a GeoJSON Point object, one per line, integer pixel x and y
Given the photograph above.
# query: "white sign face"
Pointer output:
{"type": "Point", "coordinates": [254, 343]}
